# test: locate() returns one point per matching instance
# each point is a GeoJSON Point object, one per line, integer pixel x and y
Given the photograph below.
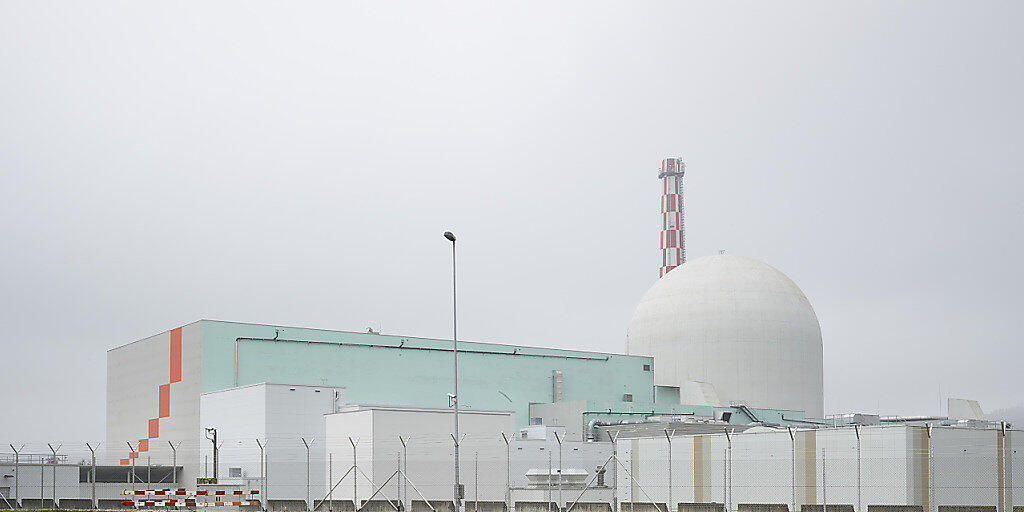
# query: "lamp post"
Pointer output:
{"type": "Point", "coordinates": [455, 353]}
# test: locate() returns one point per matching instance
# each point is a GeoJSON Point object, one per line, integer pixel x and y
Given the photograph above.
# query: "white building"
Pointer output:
{"type": "Point", "coordinates": [925, 468]}
{"type": "Point", "coordinates": [280, 416]}
{"type": "Point", "coordinates": [730, 330]}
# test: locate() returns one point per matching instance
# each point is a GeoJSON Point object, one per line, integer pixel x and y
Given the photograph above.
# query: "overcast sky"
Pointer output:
{"type": "Point", "coordinates": [296, 163]}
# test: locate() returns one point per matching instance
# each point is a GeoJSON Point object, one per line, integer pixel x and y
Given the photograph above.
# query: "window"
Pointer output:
{"type": "Point", "coordinates": [627, 397]}
{"type": "Point", "coordinates": [234, 472]}
{"type": "Point", "coordinates": [647, 367]}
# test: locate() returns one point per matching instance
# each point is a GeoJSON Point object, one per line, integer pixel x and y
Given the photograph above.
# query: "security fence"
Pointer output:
{"type": "Point", "coordinates": [870, 469]}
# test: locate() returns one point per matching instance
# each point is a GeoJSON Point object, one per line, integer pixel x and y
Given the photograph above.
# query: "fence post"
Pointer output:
{"type": "Point", "coordinates": [149, 471]}
{"type": "Point", "coordinates": [824, 486]}
{"type": "Point", "coordinates": [508, 473]}
{"type": "Point", "coordinates": [308, 505]}
{"type": "Point", "coordinates": [615, 471]}
{"type": "Point", "coordinates": [355, 479]}
{"type": "Point", "coordinates": [476, 481]}
{"type": "Point", "coordinates": [792, 465]}
{"type": "Point", "coordinates": [856, 430]}
{"type": "Point", "coordinates": [549, 482]}
{"type": "Point", "coordinates": [266, 474]}
{"type": "Point", "coordinates": [56, 503]}
{"type": "Point", "coordinates": [561, 504]}
{"type": "Point", "coordinates": [262, 491]}
{"type": "Point", "coordinates": [931, 471]}
{"type": "Point", "coordinates": [92, 480]}
{"type": "Point", "coordinates": [174, 463]}
{"type": "Point", "coordinates": [131, 454]}
{"type": "Point", "coordinates": [17, 465]}
{"type": "Point", "coordinates": [727, 472]}
{"type": "Point", "coordinates": [668, 436]}
{"type": "Point", "coordinates": [405, 475]}
{"type": "Point", "coordinates": [42, 474]}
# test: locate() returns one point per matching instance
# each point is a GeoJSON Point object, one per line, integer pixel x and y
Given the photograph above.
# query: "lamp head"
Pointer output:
{"type": "Point", "coordinates": [450, 236]}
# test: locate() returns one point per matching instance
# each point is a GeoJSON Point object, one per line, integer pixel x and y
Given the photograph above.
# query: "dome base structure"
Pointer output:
{"type": "Point", "coordinates": [734, 325]}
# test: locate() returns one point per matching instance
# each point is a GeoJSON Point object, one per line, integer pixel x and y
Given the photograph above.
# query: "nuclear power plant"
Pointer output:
{"type": "Point", "coordinates": [728, 329]}
{"type": "Point", "coordinates": [715, 404]}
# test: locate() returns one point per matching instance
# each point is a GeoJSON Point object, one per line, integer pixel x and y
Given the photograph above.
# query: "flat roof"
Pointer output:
{"type": "Point", "coordinates": [271, 384]}
{"type": "Point", "coordinates": [405, 408]}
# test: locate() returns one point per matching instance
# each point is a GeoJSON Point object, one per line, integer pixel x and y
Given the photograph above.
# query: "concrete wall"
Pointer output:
{"type": "Point", "coordinates": [153, 390]}
{"type": "Point", "coordinates": [562, 414]}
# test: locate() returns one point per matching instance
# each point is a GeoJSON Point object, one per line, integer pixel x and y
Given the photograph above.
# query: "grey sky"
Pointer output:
{"type": "Point", "coordinates": [296, 163]}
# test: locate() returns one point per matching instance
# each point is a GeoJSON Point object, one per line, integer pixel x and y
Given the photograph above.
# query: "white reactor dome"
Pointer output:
{"type": "Point", "coordinates": [731, 330]}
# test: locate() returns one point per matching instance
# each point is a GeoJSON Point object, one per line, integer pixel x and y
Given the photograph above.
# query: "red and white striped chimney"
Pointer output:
{"type": "Point", "coordinates": [673, 235]}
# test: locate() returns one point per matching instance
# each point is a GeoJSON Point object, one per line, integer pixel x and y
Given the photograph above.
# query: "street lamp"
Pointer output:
{"type": "Point", "coordinates": [455, 396]}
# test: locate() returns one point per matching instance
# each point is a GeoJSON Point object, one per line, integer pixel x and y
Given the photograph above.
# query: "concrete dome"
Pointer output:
{"type": "Point", "coordinates": [731, 329]}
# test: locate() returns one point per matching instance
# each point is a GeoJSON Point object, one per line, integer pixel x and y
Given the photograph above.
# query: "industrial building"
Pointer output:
{"type": "Point", "coordinates": [163, 388]}
{"type": "Point", "coordinates": [716, 404]}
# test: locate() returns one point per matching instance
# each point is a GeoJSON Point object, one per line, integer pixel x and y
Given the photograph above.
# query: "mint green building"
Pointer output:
{"type": "Point", "coordinates": [154, 384]}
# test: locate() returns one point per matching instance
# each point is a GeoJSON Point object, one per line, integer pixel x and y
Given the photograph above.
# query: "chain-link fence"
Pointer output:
{"type": "Point", "coordinates": [870, 469]}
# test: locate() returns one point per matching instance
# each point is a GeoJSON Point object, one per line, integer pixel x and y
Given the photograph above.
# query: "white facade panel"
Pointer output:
{"type": "Point", "coordinates": [136, 374]}
{"type": "Point", "coordinates": [280, 416]}
{"type": "Point", "coordinates": [430, 449]}
{"type": "Point", "coordinates": [894, 465]}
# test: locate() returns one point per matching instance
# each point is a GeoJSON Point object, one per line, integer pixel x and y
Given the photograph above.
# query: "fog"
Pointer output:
{"type": "Point", "coordinates": [296, 164]}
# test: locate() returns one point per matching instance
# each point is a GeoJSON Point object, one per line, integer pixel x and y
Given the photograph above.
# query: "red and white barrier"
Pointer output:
{"type": "Point", "coordinates": [159, 503]}
{"type": "Point", "coordinates": [156, 492]}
